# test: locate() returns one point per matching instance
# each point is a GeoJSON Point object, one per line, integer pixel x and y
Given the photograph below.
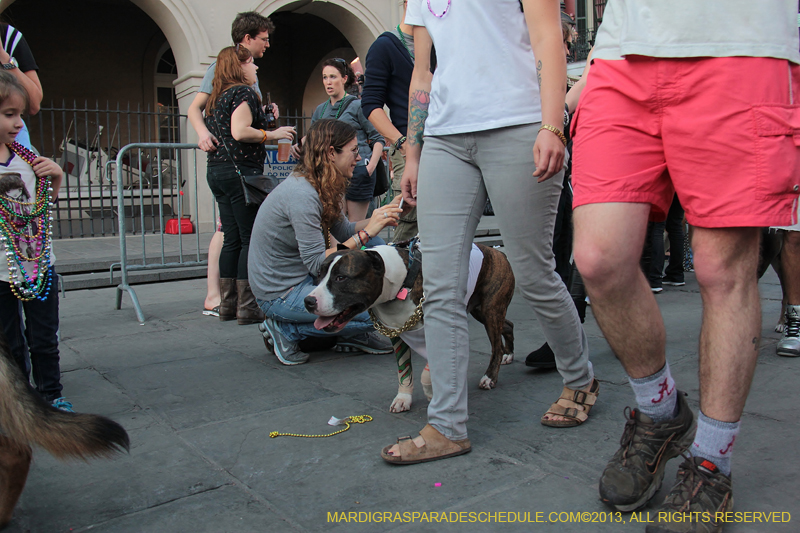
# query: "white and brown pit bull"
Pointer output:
{"type": "Point", "coordinates": [351, 282]}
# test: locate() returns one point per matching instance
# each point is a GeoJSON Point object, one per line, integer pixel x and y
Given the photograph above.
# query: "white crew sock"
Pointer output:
{"type": "Point", "coordinates": [714, 441]}
{"type": "Point", "coordinates": [656, 395]}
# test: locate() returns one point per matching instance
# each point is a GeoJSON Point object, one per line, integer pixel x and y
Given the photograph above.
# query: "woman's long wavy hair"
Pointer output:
{"type": "Point", "coordinates": [316, 165]}
{"type": "Point", "coordinates": [228, 73]}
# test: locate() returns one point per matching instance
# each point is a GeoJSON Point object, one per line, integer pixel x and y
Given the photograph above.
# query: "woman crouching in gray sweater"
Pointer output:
{"type": "Point", "coordinates": [292, 237]}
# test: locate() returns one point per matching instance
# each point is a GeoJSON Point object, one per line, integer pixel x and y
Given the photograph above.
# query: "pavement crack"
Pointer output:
{"type": "Point", "coordinates": [155, 506]}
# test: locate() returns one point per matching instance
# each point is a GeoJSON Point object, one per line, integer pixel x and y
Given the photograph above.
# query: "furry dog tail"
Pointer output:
{"type": "Point", "coordinates": [26, 418]}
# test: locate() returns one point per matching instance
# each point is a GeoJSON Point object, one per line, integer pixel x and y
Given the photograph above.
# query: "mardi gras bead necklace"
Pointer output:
{"type": "Point", "coordinates": [28, 225]}
{"type": "Point", "coordinates": [447, 7]}
{"type": "Point", "coordinates": [339, 112]}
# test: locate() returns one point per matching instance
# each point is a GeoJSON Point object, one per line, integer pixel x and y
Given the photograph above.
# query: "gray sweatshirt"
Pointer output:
{"type": "Point", "coordinates": [287, 243]}
{"type": "Point", "coordinates": [352, 115]}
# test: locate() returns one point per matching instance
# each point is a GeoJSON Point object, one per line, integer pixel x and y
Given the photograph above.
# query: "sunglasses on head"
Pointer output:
{"type": "Point", "coordinates": [340, 60]}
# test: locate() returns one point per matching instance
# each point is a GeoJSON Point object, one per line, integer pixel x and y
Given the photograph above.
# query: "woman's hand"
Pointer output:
{"type": "Point", "coordinates": [295, 150]}
{"type": "Point", "coordinates": [548, 155]}
{"type": "Point", "coordinates": [387, 215]}
{"type": "Point", "coordinates": [284, 132]}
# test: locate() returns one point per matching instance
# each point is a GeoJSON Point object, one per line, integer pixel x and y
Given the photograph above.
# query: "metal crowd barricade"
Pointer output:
{"type": "Point", "coordinates": [137, 201]}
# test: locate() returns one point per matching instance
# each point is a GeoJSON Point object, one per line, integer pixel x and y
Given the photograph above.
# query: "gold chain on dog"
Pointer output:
{"type": "Point", "coordinates": [412, 321]}
{"type": "Point", "coordinates": [359, 419]}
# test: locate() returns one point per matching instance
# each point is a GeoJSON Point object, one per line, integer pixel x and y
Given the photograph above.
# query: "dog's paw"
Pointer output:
{"type": "Point", "coordinates": [780, 327]}
{"type": "Point", "coordinates": [486, 383]}
{"type": "Point", "coordinates": [401, 402]}
{"type": "Point", "coordinates": [508, 358]}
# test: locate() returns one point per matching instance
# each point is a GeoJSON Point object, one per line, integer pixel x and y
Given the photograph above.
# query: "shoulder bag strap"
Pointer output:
{"type": "Point", "coordinates": [347, 103]}
{"type": "Point", "coordinates": [227, 149]}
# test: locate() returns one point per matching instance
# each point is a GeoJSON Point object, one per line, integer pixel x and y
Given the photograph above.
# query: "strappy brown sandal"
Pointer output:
{"type": "Point", "coordinates": [436, 446]}
{"type": "Point", "coordinates": [573, 405]}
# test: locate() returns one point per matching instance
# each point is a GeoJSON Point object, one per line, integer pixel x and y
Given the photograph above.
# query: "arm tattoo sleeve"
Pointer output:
{"type": "Point", "coordinates": [539, 72]}
{"type": "Point", "coordinates": [418, 112]}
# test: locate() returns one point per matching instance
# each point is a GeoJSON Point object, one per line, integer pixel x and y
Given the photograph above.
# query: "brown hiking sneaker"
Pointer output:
{"type": "Point", "coordinates": [692, 506]}
{"type": "Point", "coordinates": [634, 474]}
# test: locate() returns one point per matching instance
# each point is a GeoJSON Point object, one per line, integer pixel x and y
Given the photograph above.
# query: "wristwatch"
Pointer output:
{"type": "Point", "coordinates": [11, 65]}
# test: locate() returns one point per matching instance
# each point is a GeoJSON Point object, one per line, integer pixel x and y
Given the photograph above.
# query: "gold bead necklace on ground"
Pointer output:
{"type": "Point", "coordinates": [359, 419]}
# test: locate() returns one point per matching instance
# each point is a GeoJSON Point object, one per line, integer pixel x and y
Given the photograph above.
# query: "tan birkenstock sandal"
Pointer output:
{"type": "Point", "coordinates": [436, 446]}
{"type": "Point", "coordinates": [573, 405]}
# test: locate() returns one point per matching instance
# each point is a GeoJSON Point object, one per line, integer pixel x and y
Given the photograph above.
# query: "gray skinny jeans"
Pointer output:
{"type": "Point", "coordinates": [456, 172]}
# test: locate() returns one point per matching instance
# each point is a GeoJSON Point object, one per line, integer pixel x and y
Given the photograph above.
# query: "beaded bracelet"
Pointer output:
{"type": "Point", "coordinates": [555, 130]}
{"type": "Point", "coordinates": [367, 234]}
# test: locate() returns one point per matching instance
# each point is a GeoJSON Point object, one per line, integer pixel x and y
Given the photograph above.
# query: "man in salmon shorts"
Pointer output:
{"type": "Point", "coordinates": [676, 104]}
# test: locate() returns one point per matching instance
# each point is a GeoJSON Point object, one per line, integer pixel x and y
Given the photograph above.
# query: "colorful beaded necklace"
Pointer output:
{"type": "Point", "coordinates": [447, 7]}
{"type": "Point", "coordinates": [28, 225]}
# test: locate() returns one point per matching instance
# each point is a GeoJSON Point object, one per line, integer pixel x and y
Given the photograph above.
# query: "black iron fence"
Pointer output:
{"type": "Point", "coordinates": [584, 40]}
{"type": "Point", "coordinates": [85, 140]}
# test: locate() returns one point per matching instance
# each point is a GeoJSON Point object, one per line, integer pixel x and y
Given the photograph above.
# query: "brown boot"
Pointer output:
{"type": "Point", "coordinates": [227, 304]}
{"type": "Point", "coordinates": [248, 311]}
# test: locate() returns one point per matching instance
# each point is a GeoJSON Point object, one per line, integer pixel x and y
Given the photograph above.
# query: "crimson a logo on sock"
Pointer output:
{"type": "Point", "coordinates": [663, 390]}
{"type": "Point", "coordinates": [728, 448]}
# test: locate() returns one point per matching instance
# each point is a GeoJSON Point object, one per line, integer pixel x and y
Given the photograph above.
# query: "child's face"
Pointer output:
{"type": "Point", "coordinates": [11, 118]}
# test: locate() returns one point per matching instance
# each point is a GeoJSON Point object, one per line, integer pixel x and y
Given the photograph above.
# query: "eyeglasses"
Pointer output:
{"type": "Point", "coordinates": [265, 39]}
{"type": "Point", "coordinates": [354, 151]}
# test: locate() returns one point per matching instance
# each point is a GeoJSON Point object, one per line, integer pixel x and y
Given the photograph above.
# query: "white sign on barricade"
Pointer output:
{"type": "Point", "coordinates": [274, 168]}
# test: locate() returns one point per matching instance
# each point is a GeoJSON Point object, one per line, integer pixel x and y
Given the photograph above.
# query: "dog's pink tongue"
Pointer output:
{"type": "Point", "coordinates": [323, 321]}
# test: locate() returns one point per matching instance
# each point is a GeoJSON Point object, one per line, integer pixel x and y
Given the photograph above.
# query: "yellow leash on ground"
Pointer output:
{"type": "Point", "coordinates": [359, 419]}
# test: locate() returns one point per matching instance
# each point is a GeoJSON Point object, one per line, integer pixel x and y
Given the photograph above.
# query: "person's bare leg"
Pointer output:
{"type": "Point", "coordinates": [725, 262]}
{"type": "Point", "coordinates": [212, 279]}
{"type": "Point", "coordinates": [608, 244]}
{"type": "Point", "coordinates": [790, 266]}
{"type": "Point", "coordinates": [357, 211]}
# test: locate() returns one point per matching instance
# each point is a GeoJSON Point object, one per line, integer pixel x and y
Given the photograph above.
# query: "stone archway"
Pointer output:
{"type": "Point", "coordinates": [357, 21]}
{"type": "Point", "coordinates": [187, 36]}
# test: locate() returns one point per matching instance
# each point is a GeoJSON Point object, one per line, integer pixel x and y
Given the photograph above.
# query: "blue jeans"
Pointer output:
{"type": "Point", "coordinates": [38, 334]}
{"type": "Point", "coordinates": [290, 315]}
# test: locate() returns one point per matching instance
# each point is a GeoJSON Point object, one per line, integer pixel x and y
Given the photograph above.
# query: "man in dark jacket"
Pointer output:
{"type": "Point", "coordinates": [389, 64]}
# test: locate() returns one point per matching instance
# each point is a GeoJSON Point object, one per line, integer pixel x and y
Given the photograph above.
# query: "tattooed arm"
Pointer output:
{"type": "Point", "coordinates": [419, 93]}
{"type": "Point", "coordinates": [544, 27]}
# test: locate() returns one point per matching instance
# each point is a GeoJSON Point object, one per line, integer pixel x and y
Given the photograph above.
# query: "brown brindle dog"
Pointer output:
{"type": "Point", "coordinates": [351, 282]}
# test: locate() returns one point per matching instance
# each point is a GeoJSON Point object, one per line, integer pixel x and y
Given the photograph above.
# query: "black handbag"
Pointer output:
{"type": "Point", "coordinates": [255, 188]}
{"type": "Point", "coordinates": [382, 181]}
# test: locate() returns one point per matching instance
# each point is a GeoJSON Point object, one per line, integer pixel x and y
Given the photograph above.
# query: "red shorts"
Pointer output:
{"type": "Point", "coordinates": [724, 133]}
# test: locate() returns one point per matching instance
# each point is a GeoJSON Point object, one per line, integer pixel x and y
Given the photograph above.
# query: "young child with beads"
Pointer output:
{"type": "Point", "coordinates": [28, 185]}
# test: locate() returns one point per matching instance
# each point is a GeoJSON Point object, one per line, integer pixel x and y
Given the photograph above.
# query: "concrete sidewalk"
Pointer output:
{"type": "Point", "coordinates": [200, 397]}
